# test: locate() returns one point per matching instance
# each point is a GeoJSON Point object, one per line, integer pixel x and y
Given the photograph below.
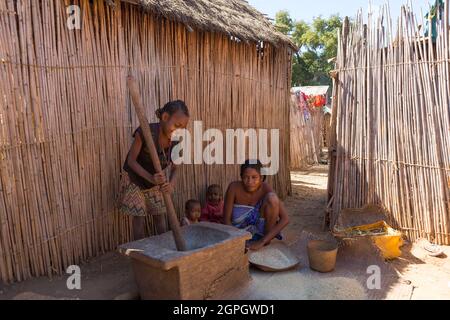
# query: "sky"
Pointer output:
{"type": "Point", "coordinates": [308, 9]}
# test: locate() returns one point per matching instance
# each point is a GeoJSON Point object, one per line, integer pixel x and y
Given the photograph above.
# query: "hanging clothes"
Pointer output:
{"type": "Point", "coordinates": [434, 15]}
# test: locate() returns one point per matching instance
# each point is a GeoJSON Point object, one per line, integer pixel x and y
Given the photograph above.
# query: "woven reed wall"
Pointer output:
{"type": "Point", "coordinates": [306, 137]}
{"type": "Point", "coordinates": [67, 120]}
{"type": "Point", "coordinates": [393, 123]}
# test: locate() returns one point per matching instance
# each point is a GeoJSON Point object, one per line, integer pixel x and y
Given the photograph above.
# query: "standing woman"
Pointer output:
{"type": "Point", "coordinates": [141, 187]}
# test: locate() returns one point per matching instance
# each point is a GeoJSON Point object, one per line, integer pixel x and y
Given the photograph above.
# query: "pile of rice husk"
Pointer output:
{"type": "Point", "coordinates": [274, 257]}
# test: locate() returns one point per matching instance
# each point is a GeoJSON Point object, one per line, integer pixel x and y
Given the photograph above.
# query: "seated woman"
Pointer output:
{"type": "Point", "coordinates": [251, 204]}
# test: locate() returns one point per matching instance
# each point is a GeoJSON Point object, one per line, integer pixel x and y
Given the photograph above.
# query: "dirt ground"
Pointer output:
{"type": "Point", "coordinates": [411, 277]}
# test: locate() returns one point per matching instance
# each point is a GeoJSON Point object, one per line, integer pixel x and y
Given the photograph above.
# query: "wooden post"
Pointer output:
{"type": "Point", "coordinates": [332, 151]}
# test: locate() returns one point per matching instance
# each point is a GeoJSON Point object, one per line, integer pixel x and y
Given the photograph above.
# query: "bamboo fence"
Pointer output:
{"type": "Point", "coordinates": [392, 125]}
{"type": "Point", "coordinates": [67, 120]}
{"type": "Point", "coordinates": [306, 137]}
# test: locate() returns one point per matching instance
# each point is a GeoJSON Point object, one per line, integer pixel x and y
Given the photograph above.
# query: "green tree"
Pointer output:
{"type": "Point", "coordinates": [317, 43]}
{"type": "Point", "coordinates": [284, 22]}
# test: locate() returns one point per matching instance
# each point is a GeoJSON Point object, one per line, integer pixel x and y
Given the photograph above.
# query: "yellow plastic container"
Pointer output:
{"type": "Point", "coordinates": [387, 239]}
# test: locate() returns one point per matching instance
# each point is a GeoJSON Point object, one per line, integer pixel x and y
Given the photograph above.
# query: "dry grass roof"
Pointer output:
{"type": "Point", "coordinates": [233, 17]}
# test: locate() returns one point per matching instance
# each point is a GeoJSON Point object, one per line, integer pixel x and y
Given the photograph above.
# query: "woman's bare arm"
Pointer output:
{"type": "Point", "coordinates": [267, 188]}
{"type": "Point", "coordinates": [134, 165]}
{"type": "Point", "coordinates": [229, 204]}
{"type": "Point", "coordinates": [173, 174]}
{"type": "Point", "coordinates": [282, 223]}
{"type": "Point", "coordinates": [169, 187]}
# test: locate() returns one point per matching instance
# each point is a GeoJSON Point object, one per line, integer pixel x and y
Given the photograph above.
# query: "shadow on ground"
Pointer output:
{"type": "Point", "coordinates": [355, 259]}
{"type": "Point", "coordinates": [413, 276]}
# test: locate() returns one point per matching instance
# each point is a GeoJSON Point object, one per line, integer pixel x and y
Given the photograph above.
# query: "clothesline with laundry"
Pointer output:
{"type": "Point", "coordinates": [308, 104]}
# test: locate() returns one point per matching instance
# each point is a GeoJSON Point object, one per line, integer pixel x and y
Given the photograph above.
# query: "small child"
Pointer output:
{"type": "Point", "coordinates": [213, 211]}
{"type": "Point", "coordinates": [192, 211]}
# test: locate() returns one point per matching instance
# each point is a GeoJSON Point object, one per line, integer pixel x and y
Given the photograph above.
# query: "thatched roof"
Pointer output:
{"type": "Point", "coordinates": [233, 17]}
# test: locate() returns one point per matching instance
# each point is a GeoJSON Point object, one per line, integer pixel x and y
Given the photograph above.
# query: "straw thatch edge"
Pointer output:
{"type": "Point", "coordinates": [235, 18]}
